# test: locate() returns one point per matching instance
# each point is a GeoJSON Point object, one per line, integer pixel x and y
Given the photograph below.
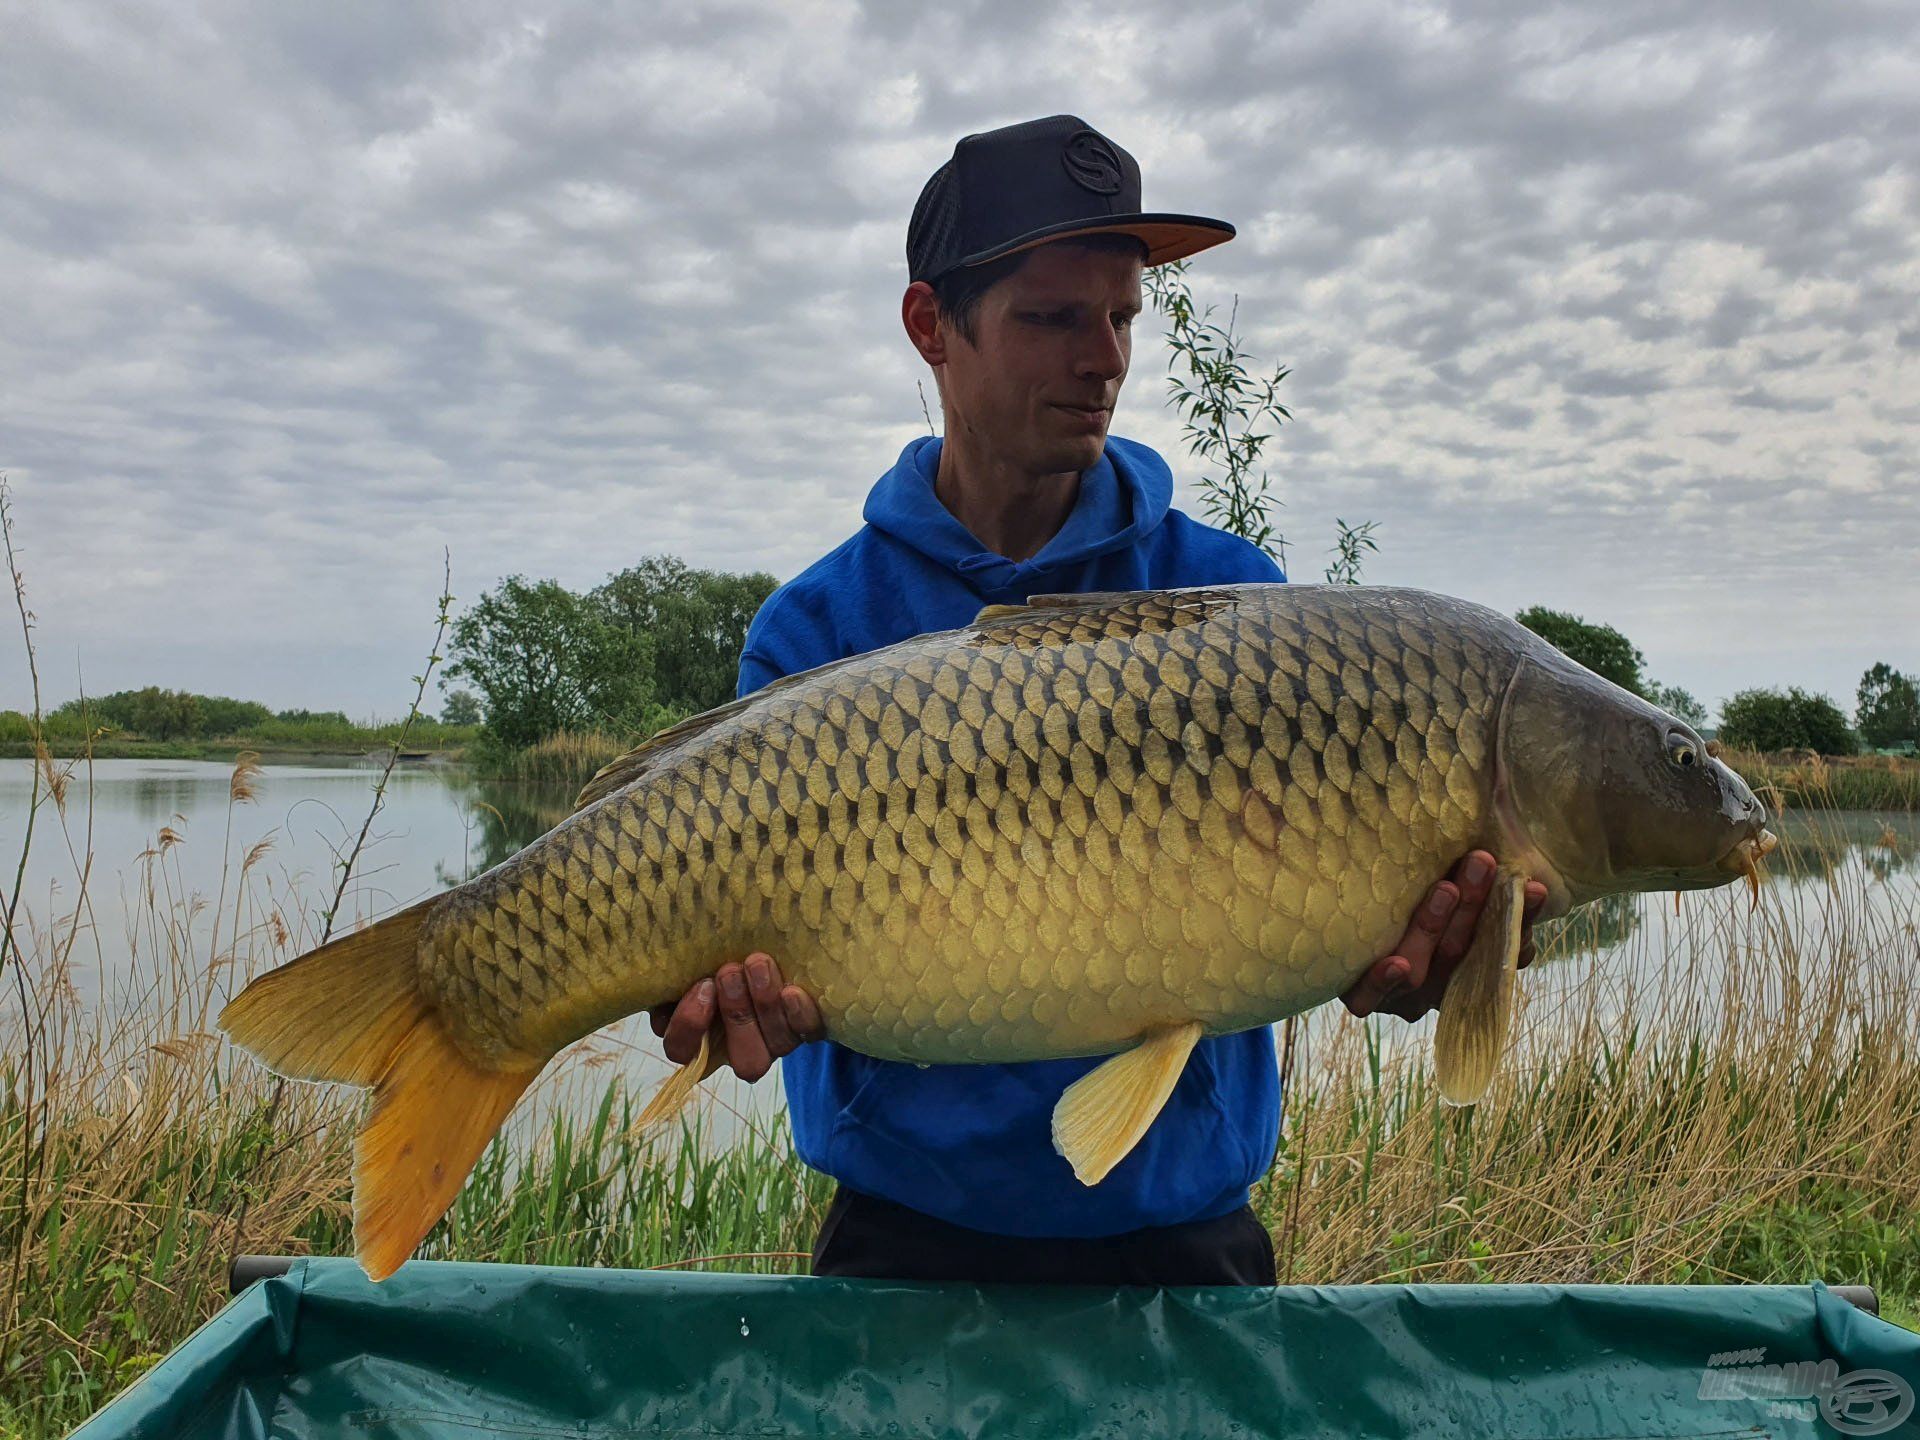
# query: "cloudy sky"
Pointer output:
{"type": "Point", "coordinates": [1589, 305]}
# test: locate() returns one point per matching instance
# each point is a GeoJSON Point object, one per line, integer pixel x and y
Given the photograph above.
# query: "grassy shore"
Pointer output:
{"type": "Point", "coordinates": [275, 742]}
{"type": "Point", "coordinates": [1847, 782]}
{"type": "Point", "coordinates": [569, 759]}
{"type": "Point", "coordinates": [1751, 1113]}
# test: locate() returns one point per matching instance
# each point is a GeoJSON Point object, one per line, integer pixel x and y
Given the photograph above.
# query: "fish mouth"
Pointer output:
{"type": "Point", "coordinates": [1745, 857]}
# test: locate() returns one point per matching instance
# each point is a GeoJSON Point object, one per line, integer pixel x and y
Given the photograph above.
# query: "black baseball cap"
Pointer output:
{"type": "Point", "coordinates": [1023, 185]}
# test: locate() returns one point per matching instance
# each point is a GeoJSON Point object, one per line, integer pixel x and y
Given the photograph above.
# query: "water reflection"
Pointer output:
{"type": "Point", "coordinates": [1817, 843]}
{"type": "Point", "coordinates": [1590, 928]}
{"type": "Point", "coordinates": [1886, 857]}
{"type": "Point", "coordinates": [156, 799]}
{"type": "Point", "coordinates": [301, 819]}
{"type": "Point", "coordinates": [506, 816]}
{"type": "Point", "coordinates": [1816, 846]}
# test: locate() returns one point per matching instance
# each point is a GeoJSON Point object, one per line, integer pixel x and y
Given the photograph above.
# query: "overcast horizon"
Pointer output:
{"type": "Point", "coordinates": [1587, 306]}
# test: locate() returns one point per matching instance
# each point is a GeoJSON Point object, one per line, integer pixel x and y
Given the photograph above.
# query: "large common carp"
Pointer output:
{"type": "Point", "coordinates": [1091, 824]}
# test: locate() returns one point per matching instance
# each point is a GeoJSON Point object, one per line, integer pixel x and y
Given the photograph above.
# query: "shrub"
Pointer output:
{"type": "Point", "coordinates": [1601, 648]}
{"type": "Point", "coordinates": [1889, 707]}
{"type": "Point", "coordinates": [1785, 720]}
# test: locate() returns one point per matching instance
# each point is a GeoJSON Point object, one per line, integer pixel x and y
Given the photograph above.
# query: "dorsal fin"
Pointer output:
{"type": "Point", "coordinates": [622, 771]}
{"type": "Point", "coordinates": [1054, 602]}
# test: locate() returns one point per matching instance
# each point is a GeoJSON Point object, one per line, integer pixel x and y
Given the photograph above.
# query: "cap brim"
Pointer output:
{"type": "Point", "coordinates": [1167, 237]}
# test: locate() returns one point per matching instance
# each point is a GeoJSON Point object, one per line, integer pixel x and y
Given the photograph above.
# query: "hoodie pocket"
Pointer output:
{"type": "Point", "coordinates": [1233, 1128]}
{"type": "Point", "coordinates": [856, 1110]}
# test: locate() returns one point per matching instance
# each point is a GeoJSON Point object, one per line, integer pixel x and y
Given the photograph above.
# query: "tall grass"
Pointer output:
{"type": "Point", "coordinates": [150, 1152]}
{"type": "Point", "coordinates": [569, 758]}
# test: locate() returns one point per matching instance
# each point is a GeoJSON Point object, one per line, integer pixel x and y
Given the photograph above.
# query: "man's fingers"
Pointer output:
{"type": "Point", "coordinates": [746, 1046]}
{"type": "Point", "coordinates": [1474, 875]}
{"type": "Point", "coordinates": [1437, 941]}
{"type": "Point", "coordinates": [691, 1019]}
{"type": "Point", "coordinates": [754, 1016]}
{"type": "Point", "coordinates": [803, 1016]}
{"type": "Point", "coordinates": [763, 983]}
{"type": "Point", "coordinates": [1536, 897]}
{"type": "Point", "coordinates": [1370, 991]}
{"type": "Point", "coordinates": [1406, 968]}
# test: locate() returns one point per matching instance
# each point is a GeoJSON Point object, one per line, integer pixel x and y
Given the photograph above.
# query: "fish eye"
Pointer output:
{"type": "Point", "coordinates": [1682, 751]}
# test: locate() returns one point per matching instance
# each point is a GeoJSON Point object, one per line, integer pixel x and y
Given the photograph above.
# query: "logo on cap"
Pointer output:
{"type": "Point", "coordinates": [1092, 164]}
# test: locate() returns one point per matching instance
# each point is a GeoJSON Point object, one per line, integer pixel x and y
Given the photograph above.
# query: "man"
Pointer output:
{"type": "Point", "coordinates": [1025, 253]}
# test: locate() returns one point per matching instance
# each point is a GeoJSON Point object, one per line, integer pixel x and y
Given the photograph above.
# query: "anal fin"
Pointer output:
{"type": "Point", "coordinates": [1478, 1004]}
{"type": "Point", "coordinates": [678, 1088]}
{"type": "Point", "coordinates": [1103, 1114]}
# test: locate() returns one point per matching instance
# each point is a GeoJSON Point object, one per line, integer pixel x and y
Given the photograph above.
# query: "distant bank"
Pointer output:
{"type": "Point", "coordinates": [1787, 780]}
{"type": "Point", "coordinates": [226, 748]}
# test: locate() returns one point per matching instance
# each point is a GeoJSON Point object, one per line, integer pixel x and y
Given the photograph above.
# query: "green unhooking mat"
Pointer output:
{"type": "Point", "coordinates": [502, 1350]}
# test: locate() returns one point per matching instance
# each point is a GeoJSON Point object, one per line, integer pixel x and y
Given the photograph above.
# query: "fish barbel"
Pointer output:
{"type": "Point", "coordinates": [1092, 824]}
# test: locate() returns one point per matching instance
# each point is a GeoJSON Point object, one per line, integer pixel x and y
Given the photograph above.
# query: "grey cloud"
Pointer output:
{"type": "Point", "coordinates": [1757, 397]}
{"type": "Point", "coordinates": [1598, 305]}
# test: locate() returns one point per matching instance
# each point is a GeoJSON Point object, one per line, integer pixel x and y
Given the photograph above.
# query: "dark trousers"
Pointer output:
{"type": "Point", "coordinates": [865, 1237]}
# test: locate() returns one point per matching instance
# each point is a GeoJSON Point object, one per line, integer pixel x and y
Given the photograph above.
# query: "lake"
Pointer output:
{"type": "Point", "coordinates": [169, 830]}
{"type": "Point", "coordinates": [436, 826]}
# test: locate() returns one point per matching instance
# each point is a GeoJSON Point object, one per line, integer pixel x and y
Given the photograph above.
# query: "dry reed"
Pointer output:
{"type": "Point", "coordinates": [1744, 1106]}
{"type": "Point", "coordinates": [569, 758]}
{"type": "Point", "coordinates": [1803, 780]}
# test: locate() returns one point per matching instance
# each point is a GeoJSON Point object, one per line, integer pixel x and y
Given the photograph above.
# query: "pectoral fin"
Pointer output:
{"type": "Point", "coordinates": [1103, 1114]}
{"type": "Point", "coordinates": [1472, 1028]}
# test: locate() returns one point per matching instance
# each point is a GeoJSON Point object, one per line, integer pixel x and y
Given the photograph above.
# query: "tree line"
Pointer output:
{"type": "Point", "coordinates": [186, 718]}
{"type": "Point", "coordinates": [656, 643]}
{"type": "Point", "coordinates": [661, 640]}
{"type": "Point", "coordinates": [645, 648]}
{"type": "Point", "coordinates": [154, 712]}
{"type": "Point", "coordinates": [1886, 711]}
{"type": "Point", "coordinates": [161, 714]}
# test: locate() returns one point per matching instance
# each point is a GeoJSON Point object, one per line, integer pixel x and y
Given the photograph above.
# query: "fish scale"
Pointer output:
{"type": "Point", "coordinates": [1041, 835]}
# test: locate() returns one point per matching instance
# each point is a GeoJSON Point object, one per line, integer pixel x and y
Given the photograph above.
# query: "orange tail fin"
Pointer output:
{"type": "Point", "coordinates": [352, 1011]}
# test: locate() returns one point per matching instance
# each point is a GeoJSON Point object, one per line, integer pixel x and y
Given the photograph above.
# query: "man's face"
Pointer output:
{"type": "Point", "coordinates": [1053, 342]}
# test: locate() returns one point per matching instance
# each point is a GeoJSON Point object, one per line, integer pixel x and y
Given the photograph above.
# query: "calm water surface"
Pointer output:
{"type": "Point", "coordinates": [425, 835]}
{"type": "Point", "coordinates": [169, 829]}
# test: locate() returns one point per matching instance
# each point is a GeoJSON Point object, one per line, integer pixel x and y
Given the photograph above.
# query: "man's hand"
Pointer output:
{"type": "Point", "coordinates": [759, 1019]}
{"type": "Point", "coordinates": [1410, 982]}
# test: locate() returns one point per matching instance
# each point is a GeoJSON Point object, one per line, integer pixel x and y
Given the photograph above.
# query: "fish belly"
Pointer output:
{"type": "Point", "coordinates": [1041, 836]}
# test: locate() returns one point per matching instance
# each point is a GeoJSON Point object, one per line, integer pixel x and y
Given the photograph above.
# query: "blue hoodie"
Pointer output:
{"type": "Point", "coordinates": [972, 1144]}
